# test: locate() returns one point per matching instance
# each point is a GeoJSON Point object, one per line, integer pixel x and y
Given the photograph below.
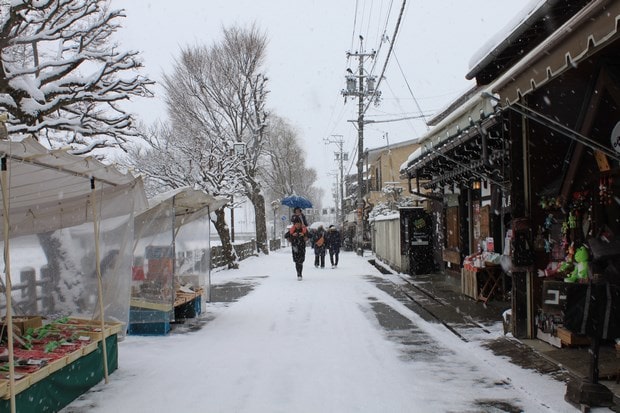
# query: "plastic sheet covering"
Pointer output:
{"type": "Point", "coordinates": [54, 272]}
{"type": "Point", "coordinates": [171, 254]}
{"type": "Point", "coordinates": [193, 254]}
{"type": "Point", "coordinates": [51, 231]}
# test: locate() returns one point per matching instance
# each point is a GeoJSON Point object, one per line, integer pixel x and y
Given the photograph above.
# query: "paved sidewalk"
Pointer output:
{"type": "Point", "coordinates": [563, 364]}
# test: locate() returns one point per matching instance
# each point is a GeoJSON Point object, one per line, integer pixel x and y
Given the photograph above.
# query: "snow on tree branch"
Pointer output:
{"type": "Point", "coordinates": [62, 76]}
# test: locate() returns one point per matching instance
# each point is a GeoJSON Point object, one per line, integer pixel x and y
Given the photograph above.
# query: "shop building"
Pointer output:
{"type": "Point", "coordinates": [528, 161]}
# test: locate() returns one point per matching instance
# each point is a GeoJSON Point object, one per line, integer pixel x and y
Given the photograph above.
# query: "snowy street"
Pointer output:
{"type": "Point", "coordinates": [333, 342]}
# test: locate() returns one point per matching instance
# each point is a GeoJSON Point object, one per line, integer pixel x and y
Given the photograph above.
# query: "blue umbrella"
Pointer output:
{"type": "Point", "coordinates": [294, 201]}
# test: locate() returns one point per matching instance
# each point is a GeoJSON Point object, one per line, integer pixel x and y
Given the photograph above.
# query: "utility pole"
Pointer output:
{"type": "Point", "coordinates": [356, 87]}
{"type": "Point", "coordinates": [341, 157]}
{"type": "Point", "coordinates": [336, 194]}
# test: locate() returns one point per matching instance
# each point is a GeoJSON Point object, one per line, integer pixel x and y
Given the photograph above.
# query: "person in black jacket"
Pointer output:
{"type": "Point", "coordinates": [333, 242]}
{"type": "Point", "coordinates": [297, 236]}
{"type": "Point", "coordinates": [298, 213]}
{"type": "Point", "coordinates": [318, 241]}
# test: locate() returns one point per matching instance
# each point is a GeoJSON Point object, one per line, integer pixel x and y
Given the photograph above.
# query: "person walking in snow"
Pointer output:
{"type": "Point", "coordinates": [332, 239]}
{"type": "Point", "coordinates": [297, 236]}
{"type": "Point", "coordinates": [298, 213]}
{"type": "Point", "coordinates": [318, 242]}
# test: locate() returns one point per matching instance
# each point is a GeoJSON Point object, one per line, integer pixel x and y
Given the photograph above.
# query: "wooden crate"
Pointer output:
{"type": "Point", "coordinates": [570, 339]}
{"type": "Point", "coordinates": [57, 364]}
{"type": "Point", "coordinates": [39, 375]}
{"type": "Point", "coordinates": [89, 348]}
{"type": "Point", "coordinates": [74, 355]}
{"type": "Point", "coordinates": [110, 327]}
{"type": "Point", "coordinates": [21, 384]}
{"type": "Point", "coordinates": [25, 322]}
{"type": "Point", "coordinates": [4, 388]}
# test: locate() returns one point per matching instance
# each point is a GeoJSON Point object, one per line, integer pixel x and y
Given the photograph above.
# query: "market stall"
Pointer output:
{"type": "Point", "coordinates": [171, 271]}
{"type": "Point", "coordinates": [67, 226]}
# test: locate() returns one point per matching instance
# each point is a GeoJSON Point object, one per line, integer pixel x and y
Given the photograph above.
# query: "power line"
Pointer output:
{"type": "Point", "coordinates": [387, 19]}
{"type": "Point", "coordinates": [410, 90]}
{"type": "Point", "coordinates": [387, 58]}
{"type": "Point", "coordinates": [354, 24]}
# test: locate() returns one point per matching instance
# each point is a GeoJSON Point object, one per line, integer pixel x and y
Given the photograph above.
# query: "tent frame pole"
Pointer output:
{"type": "Point", "coordinates": [7, 266]}
{"type": "Point", "coordinates": [99, 281]}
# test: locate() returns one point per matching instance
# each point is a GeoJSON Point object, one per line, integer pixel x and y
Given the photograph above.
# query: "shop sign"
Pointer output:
{"type": "Point", "coordinates": [615, 138]}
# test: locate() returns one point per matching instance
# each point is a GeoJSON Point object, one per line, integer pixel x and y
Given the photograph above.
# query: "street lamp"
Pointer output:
{"type": "Point", "coordinates": [275, 205]}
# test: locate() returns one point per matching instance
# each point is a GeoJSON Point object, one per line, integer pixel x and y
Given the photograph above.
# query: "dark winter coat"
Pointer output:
{"type": "Point", "coordinates": [303, 219]}
{"type": "Point", "coordinates": [333, 240]}
{"type": "Point", "coordinates": [298, 237]}
{"type": "Point", "coordinates": [318, 234]}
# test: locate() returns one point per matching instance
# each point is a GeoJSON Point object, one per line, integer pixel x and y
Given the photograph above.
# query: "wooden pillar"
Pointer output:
{"type": "Point", "coordinates": [519, 208]}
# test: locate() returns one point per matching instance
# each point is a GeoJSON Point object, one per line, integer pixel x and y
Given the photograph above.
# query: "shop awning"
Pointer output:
{"type": "Point", "coordinates": [595, 26]}
{"type": "Point", "coordinates": [460, 147]}
{"type": "Point", "coordinates": [590, 29]}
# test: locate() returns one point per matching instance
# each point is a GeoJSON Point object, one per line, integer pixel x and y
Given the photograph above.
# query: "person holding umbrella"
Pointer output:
{"type": "Point", "coordinates": [297, 203]}
{"type": "Point", "coordinates": [297, 236]}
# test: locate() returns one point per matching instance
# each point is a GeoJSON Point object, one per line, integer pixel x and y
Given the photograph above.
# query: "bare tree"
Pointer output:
{"type": "Point", "coordinates": [284, 171]}
{"type": "Point", "coordinates": [221, 89]}
{"type": "Point", "coordinates": [62, 77]}
{"type": "Point", "coordinates": [176, 157]}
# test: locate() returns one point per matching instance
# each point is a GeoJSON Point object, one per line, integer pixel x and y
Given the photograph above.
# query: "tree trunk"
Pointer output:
{"type": "Point", "coordinates": [223, 231]}
{"type": "Point", "coordinates": [258, 201]}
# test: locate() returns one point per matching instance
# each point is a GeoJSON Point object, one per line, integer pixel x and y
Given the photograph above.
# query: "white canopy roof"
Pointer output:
{"type": "Point", "coordinates": [187, 203]}
{"type": "Point", "coordinates": [51, 189]}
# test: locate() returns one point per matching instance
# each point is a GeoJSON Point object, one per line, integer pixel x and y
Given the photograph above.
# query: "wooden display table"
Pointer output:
{"type": "Point", "coordinates": [183, 296]}
{"type": "Point", "coordinates": [153, 318]}
{"type": "Point", "coordinates": [483, 283]}
{"type": "Point", "coordinates": [493, 283]}
{"type": "Point", "coordinates": [64, 372]}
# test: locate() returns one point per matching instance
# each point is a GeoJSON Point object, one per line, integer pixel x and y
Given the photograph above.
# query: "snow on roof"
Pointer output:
{"type": "Point", "coordinates": [497, 43]}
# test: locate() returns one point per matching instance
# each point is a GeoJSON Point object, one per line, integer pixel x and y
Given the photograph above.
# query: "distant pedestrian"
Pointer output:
{"type": "Point", "coordinates": [298, 213]}
{"type": "Point", "coordinates": [318, 242]}
{"type": "Point", "coordinates": [333, 242]}
{"type": "Point", "coordinates": [297, 236]}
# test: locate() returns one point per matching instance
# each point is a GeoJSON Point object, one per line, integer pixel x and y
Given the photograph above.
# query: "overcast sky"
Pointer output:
{"type": "Point", "coordinates": [307, 59]}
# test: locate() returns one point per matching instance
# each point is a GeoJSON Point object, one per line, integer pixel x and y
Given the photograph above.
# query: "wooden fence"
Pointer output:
{"type": "Point", "coordinates": [245, 250]}
{"type": "Point", "coordinates": [26, 297]}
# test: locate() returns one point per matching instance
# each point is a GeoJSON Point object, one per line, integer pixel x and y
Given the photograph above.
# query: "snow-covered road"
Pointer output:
{"type": "Point", "coordinates": [315, 346]}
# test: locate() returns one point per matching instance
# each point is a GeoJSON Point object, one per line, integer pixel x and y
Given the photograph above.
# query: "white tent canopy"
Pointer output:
{"type": "Point", "coordinates": [64, 211]}
{"type": "Point", "coordinates": [186, 202]}
{"type": "Point", "coordinates": [48, 188]}
{"type": "Point", "coordinates": [171, 250]}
